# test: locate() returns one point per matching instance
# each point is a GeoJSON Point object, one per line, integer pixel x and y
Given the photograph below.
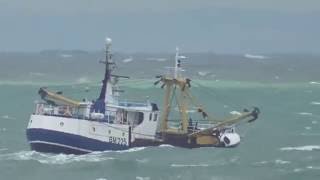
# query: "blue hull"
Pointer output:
{"type": "Point", "coordinates": [49, 141]}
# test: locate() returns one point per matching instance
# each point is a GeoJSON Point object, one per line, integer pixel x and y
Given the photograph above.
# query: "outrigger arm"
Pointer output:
{"type": "Point", "coordinates": [253, 115]}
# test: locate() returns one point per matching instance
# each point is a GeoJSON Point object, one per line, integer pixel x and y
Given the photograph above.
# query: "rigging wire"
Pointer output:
{"type": "Point", "coordinates": [219, 97]}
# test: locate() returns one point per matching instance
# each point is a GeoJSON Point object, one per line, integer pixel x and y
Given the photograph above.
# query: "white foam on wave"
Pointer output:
{"type": "Point", "coordinates": [157, 59]}
{"type": "Point", "coordinates": [36, 74]}
{"type": "Point", "coordinates": [301, 148]}
{"type": "Point", "coordinates": [313, 167]}
{"type": "Point", "coordinates": [82, 80]}
{"type": "Point", "coordinates": [279, 161]}
{"type": "Point", "coordinates": [189, 165]}
{"type": "Point", "coordinates": [252, 56]}
{"type": "Point", "coordinates": [308, 128]}
{"type": "Point", "coordinates": [314, 82]}
{"type": "Point", "coordinates": [136, 149]}
{"type": "Point", "coordinates": [7, 117]}
{"type": "Point", "coordinates": [315, 103]}
{"type": "Point", "coordinates": [142, 160]}
{"type": "Point", "coordinates": [203, 73]}
{"type": "Point", "coordinates": [310, 134]}
{"type": "Point", "coordinates": [305, 113]}
{"type": "Point", "coordinates": [166, 146]}
{"type": "Point", "coordinates": [142, 178]}
{"type": "Point", "coordinates": [127, 60]}
{"type": "Point", "coordinates": [66, 55]}
{"type": "Point", "coordinates": [54, 158]}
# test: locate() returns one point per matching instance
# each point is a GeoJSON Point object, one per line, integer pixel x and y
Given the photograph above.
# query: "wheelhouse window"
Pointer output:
{"type": "Point", "coordinates": [139, 117]}
{"type": "Point", "coordinates": [155, 117]}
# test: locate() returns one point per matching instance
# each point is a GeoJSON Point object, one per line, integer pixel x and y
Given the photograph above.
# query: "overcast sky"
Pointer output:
{"type": "Point", "coordinates": [222, 26]}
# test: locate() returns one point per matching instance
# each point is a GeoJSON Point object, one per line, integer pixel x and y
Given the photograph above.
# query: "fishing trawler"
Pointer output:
{"type": "Point", "coordinates": [63, 125]}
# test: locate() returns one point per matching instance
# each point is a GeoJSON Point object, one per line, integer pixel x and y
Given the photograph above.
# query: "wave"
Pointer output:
{"type": "Point", "coordinates": [314, 82]}
{"type": "Point", "coordinates": [66, 55]}
{"type": "Point", "coordinates": [157, 59]}
{"type": "Point", "coordinates": [315, 103]}
{"type": "Point", "coordinates": [142, 178]}
{"type": "Point", "coordinates": [308, 128]}
{"type": "Point", "coordinates": [305, 113]}
{"type": "Point", "coordinates": [83, 80]}
{"type": "Point", "coordinates": [277, 162]}
{"type": "Point", "coordinates": [189, 165]}
{"type": "Point", "coordinates": [203, 73]}
{"type": "Point", "coordinates": [310, 134]}
{"type": "Point", "coordinates": [127, 60]}
{"type": "Point", "coordinates": [313, 167]}
{"type": "Point", "coordinates": [252, 56]}
{"type": "Point", "coordinates": [37, 74]}
{"type": "Point", "coordinates": [7, 117]}
{"type": "Point", "coordinates": [55, 158]}
{"type": "Point", "coordinates": [136, 149]}
{"type": "Point", "coordinates": [301, 148]}
{"type": "Point", "coordinates": [166, 146]}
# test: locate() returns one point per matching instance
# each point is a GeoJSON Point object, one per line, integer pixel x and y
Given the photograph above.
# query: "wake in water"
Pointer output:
{"type": "Point", "coordinates": [46, 158]}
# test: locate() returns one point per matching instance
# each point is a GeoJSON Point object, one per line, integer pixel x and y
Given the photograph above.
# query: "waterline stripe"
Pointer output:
{"type": "Point", "coordinates": [61, 145]}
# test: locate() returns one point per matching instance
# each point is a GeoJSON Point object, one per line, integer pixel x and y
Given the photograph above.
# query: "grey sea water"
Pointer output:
{"type": "Point", "coordinates": [282, 144]}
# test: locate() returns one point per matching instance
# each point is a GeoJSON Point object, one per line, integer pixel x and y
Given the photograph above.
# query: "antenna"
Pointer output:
{"type": "Point", "coordinates": [177, 66]}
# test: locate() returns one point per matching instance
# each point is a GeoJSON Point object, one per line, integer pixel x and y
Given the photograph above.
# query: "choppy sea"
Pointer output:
{"type": "Point", "coordinates": [282, 144]}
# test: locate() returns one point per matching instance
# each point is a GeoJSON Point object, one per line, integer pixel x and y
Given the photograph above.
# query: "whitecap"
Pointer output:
{"type": "Point", "coordinates": [166, 146]}
{"type": "Point", "coordinates": [142, 160]}
{"type": "Point", "coordinates": [82, 80]}
{"type": "Point", "coordinates": [313, 82]}
{"type": "Point", "coordinates": [307, 128]}
{"type": "Point", "coordinates": [142, 178]}
{"type": "Point", "coordinates": [136, 149]}
{"type": "Point", "coordinates": [315, 103]}
{"type": "Point", "coordinates": [305, 113]}
{"type": "Point", "coordinates": [157, 59]}
{"type": "Point", "coordinates": [102, 179]}
{"type": "Point", "coordinates": [203, 73]}
{"type": "Point", "coordinates": [261, 162]}
{"type": "Point", "coordinates": [310, 134]}
{"type": "Point", "coordinates": [297, 170]}
{"type": "Point", "coordinates": [189, 165]}
{"type": "Point", "coordinates": [7, 117]}
{"type": "Point", "coordinates": [279, 161]}
{"type": "Point", "coordinates": [301, 148]}
{"type": "Point", "coordinates": [66, 55]}
{"type": "Point", "coordinates": [127, 60]}
{"type": "Point", "coordinates": [54, 158]}
{"type": "Point", "coordinates": [314, 122]}
{"type": "Point", "coordinates": [36, 74]}
{"type": "Point", "coordinates": [313, 167]}
{"type": "Point", "coordinates": [252, 56]}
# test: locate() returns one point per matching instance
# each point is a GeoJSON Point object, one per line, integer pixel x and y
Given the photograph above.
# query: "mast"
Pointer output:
{"type": "Point", "coordinates": [172, 83]}
{"type": "Point", "coordinates": [107, 73]}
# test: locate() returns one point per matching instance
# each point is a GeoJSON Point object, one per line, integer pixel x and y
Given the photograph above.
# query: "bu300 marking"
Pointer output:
{"type": "Point", "coordinates": [118, 140]}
